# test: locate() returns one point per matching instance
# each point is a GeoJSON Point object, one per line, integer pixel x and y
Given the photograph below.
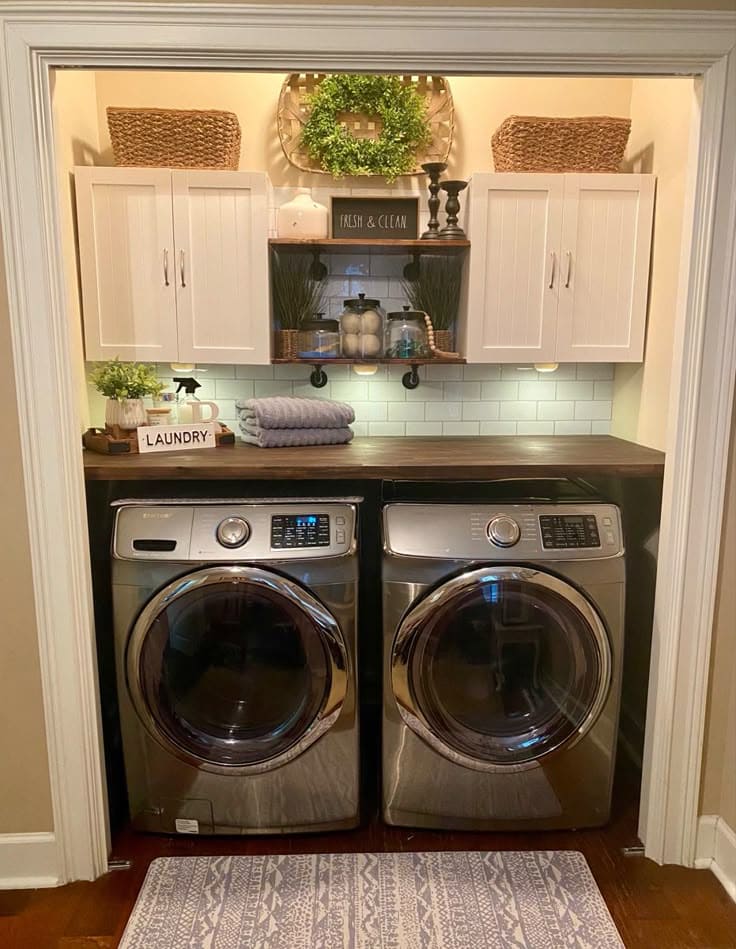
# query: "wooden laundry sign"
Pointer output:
{"type": "Point", "coordinates": [177, 437]}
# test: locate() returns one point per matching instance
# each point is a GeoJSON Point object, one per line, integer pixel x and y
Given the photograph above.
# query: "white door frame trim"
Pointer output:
{"type": "Point", "coordinates": [35, 37]}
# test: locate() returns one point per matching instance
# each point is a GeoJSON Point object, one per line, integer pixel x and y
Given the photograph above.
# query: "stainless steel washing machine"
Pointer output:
{"type": "Point", "coordinates": [235, 628]}
{"type": "Point", "coordinates": [503, 646]}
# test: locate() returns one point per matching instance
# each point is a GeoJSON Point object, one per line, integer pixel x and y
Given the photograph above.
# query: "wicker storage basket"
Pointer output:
{"type": "Point", "coordinates": [174, 138]}
{"type": "Point", "coordinates": [293, 112]}
{"type": "Point", "coordinates": [529, 143]}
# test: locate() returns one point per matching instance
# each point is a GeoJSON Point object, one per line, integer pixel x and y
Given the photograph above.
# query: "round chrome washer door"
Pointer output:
{"type": "Point", "coordinates": [500, 666]}
{"type": "Point", "coordinates": [236, 669]}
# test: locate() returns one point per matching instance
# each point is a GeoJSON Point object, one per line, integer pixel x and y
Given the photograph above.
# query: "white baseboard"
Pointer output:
{"type": "Point", "coordinates": [28, 861]}
{"type": "Point", "coordinates": [715, 850]}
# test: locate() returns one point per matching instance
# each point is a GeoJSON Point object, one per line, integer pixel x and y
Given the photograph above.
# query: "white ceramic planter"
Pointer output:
{"type": "Point", "coordinates": [127, 413]}
{"type": "Point", "coordinates": [302, 217]}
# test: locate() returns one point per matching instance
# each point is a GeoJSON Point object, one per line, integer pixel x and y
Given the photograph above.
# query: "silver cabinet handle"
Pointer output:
{"type": "Point", "coordinates": [166, 266]}
{"type": "Point", "coordinates": [553, 262]}
{"type": "Point", "coordinates": [569, 268]}
{"type": "Point", "coordinates": [181, 267]}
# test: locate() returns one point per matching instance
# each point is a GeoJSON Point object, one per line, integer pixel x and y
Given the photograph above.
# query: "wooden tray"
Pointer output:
{"type": "Point", "coordinates": [113, 440]}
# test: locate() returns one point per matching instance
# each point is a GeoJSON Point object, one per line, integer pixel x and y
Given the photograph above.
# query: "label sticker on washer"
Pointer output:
{"type": "Point", "coordinates": [186, 826]}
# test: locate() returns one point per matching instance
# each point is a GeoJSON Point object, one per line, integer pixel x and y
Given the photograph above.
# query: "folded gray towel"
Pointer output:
{"type": "Point", "coordinates": [286, 437]}
{"type": "Point", "coordinates": [280, 411]}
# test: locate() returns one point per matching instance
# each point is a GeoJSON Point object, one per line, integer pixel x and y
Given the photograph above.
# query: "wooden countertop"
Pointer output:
{"type": "Point", "coordinates": [417, 459]}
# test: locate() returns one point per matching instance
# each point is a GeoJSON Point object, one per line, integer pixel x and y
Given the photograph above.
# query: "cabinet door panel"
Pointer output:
{"type": "Point", "coordinates": [515, 223]}
{"type": "Point", "coordinates": [221, 238]}
{"type": "Point", "coordinates": [606, 236]}
{"type": "Point", "coordinates": [125, 250]}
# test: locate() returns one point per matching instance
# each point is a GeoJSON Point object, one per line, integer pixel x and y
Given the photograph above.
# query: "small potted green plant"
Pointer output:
{"type": "Point", "coordinates": [297, 295]}
{"type": "Point", "coordinates": [125, 384]}
{"type": "Point", "coordinates": [435, 288]}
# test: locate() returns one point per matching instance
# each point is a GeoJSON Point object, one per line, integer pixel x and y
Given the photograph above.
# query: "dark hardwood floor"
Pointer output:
{"type": "Point", "coordinates": [654, 907]}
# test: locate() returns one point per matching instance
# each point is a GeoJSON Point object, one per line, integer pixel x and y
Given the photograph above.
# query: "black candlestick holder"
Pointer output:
{"type": "Point", "coordinates": [452, 230]}
{"type": "Point", "coordinates": [433, 169]}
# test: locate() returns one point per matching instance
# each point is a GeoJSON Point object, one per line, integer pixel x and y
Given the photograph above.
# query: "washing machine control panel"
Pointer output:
{"type": "Point", "coordinates": [564, 531]}
{"type": "Point", "coordinates": [300, 530]}
{"type": "Point", "coordinates": [235, 531]}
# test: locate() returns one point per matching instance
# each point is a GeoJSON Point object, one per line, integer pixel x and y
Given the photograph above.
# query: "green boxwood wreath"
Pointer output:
{"type": "Point", "coordinates": [401, 109]}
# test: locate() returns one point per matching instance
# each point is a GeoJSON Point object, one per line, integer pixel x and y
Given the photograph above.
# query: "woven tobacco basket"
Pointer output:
{"type": "Point", "coordinates": [293, 112]}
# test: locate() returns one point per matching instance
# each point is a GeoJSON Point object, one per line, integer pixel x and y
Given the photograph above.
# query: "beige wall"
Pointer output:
{"type": "Point", "coordinates": [25, 796]}
{"type": "Point", "coordinates": [661, 120]}
{"type": "Point", "coordinates": [481, 104]}
{"type": "Point", "coordinates": [719, 767]}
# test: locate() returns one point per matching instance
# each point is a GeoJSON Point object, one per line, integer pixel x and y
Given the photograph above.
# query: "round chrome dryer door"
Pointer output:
{"type": "Point", "coordinates": [236, 669]}
{"type": "Point", "coordinates": [500, 666]}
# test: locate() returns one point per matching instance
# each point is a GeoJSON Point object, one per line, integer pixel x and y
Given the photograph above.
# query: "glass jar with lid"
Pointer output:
{"type": "Point", "coordinates": [406, 334]}
{"type": "Point", "coordinates": [319, 339]}
{"type": "Point", "coordinates": [361, 323]}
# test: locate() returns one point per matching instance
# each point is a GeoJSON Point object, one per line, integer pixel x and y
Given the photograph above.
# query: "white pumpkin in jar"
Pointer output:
{"type": "Point", "coordinates": [370, 323]}
{"type": "Point", "coordinates": [350, 323]}
{"type": "Point", "coordinates": [370, 345]}
{"type": "Point", "coordinates": [350, 344]}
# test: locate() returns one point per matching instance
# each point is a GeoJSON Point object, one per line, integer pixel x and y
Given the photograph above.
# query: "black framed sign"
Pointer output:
{"type": "Point", "coordinates": [375, 218]}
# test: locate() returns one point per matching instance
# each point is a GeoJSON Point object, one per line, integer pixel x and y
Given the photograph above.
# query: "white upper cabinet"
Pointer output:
{"type": "Point", "coordinates": [606, 240]}
{"type": "Point", "coordinates": [221, 240]}
{"type": "Point", "coordinates": [174, 264]}
{"type": "Point", "coordinates": [126, 258]}
{"type": "Point", "coordinates": [514, 228]}
{"type": "Point", "coordinates": [559, 267]}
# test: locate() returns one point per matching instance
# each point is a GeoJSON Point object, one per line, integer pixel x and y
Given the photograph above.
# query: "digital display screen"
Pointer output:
{"type": "Point", "coordinates": [306, 520]}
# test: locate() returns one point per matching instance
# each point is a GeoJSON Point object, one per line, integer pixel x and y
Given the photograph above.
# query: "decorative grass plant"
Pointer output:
{"type": "Point", "coordinates": [436, 288]}
{"type": "Point", "coordinates": [296, 294]}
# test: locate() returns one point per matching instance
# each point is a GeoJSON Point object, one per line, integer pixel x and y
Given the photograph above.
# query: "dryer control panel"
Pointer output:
{"type": "Point", "coordinates": [504, 532]}
{"type": "Point", "coordinates": [235, 531]}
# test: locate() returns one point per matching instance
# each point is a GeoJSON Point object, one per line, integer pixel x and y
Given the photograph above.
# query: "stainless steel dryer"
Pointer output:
{"type": "Point", "coordinates": [235, 627]}
{"type": "Point", "coordinates": [503, 646]}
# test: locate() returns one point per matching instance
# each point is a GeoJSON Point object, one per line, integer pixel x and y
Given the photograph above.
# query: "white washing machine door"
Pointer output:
{"type": "Point", "coordinates": [500, 666]}
{"type": "Point", "coordinates": [236, 669]}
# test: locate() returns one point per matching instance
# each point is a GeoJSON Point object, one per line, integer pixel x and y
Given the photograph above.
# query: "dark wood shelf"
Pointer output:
{"type": "Point", "coordinates": [381, 361]}
{"type": "Point", "coordinates": [350, 245]}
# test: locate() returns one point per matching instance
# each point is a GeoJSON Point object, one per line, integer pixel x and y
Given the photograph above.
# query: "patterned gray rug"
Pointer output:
{"type": "Point", "coordinates": [514, 900]}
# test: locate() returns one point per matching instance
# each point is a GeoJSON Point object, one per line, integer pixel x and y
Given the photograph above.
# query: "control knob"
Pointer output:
{"type": "Point", "coordinates": [233, 532]}
{"type": "Point", "coordinates": [503, 531]}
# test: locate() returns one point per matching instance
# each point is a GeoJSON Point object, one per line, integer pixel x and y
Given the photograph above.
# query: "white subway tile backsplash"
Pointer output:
{"type": "Point", "coordinates": [233, 389]}
{"type": "Point", "coordinates": [595, 370]}
{"type": "Point", "coordinates": [480, 411]}
{"type": "Point", "coordinates": [537, 391]}
{"type": "Point", "coordinates": [577, 391]}
{"type": "Point", "coordinates": [388, 265]}
{"type": "Point", "coordinates": [600, 427]}
{"type": "Point", "coordinates": [305, 390]}
{"type": "Point", "coordinates": [555, 411]}
{"type": "Point", "coordinates": [500, 391]}
{"type": "Point", "coordinates": [264, 388]}
{"type": "Point", "coordinates": [572, 428]}
{"type": "Point", "coordinates": [360, 429]}
{"type": "Point", "coordinates": [442, 373]}
{"type": "Point", "coordinates": [460, 428]}
{"type": "Point", "coordinates": [292, 371]}
{"type": "Point", "coordinates": [349, 264]}
{"type": "Point", "coordinates": [498, 428]}
{"type": "Point", "coordinates": [213, 370]}
{"type": "Point", "coordinates": [535, 428]}
{"type": "Point", "coordinates": [424, 428]}
{"type": "Point", "coordinates": [443, 411]}
{"type": "Point", "coordinates": [603, 390]}
{"type": "Point", "coordinates": [518, 410]}
{"type": "Point", "coordinates": [386, 428]}
{"type": "Point", "coordinates": [519, 373]}
{"type": "Point", "coordinates": [462, 391]}
{"type": "Point", "coordinates": [481, 373]}
{"type": "Point", "coordinates": [254, 372]}
{"type": "Point", "coordinates": [592, 410]}
{"type": "Point", "coordinates": [370, 411]}
{"type": "Point", "coordinates": [350, 390]}
{"type": "Point", "coordinates": [386, 391]}
{"type": "Point", "coordinates": [406, 411]}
